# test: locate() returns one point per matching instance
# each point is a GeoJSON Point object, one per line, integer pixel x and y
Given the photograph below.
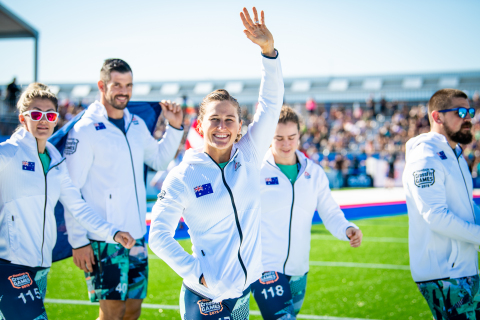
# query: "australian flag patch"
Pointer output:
{"type": "Point", "coordinates": [99, 126]}
{"type": "Point", "coordinates": [203, 190]}
{"type": "Point", "coordinates": [271, 181]}
{"type": "Point", "coordinates": [442, 155]}
{"type": "Point", "coordinates": [29, 166]}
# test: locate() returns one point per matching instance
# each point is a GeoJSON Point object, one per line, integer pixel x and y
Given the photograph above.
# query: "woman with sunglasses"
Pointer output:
{"type": "Point", "coordinates": [216, 190]}
{"type": "Point", "coordinates": [33, 177]}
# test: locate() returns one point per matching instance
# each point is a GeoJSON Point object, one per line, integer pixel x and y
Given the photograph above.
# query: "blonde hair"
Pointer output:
{"type": "Point", "coordinates": [34, 91]}
{"type": "Point", "coordinates": [220, 95]}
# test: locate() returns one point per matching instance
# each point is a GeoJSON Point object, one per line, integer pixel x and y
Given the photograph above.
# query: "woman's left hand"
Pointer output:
{"type": "Point", "coordinates": [258, 32]}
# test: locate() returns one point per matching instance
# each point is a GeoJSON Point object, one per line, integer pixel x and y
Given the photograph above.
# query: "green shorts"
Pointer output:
{"type": "Point", "coordinates": [118, 273]}
{"type": "Point", "coordinates": [453, 298]}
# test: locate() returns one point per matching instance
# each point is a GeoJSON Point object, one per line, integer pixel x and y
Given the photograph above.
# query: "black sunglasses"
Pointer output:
{"type": "Point", "coordinates": [462, 112]}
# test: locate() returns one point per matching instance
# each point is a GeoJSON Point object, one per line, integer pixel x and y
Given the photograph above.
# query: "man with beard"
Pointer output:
{"type": "Point", "coordinates": [105, 153]}
{"type": "Point", "coordinates": [444, 234]}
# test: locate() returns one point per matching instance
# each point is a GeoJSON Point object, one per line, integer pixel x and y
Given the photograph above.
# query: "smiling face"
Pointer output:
{"type": "Point", "coordinates": [118, 90]}
{"type": "Point", "coordinates": [285, 143]}
{"type": "Point", "coordinates": [220, 126]}
{"type": "Point", "coordinates": [42, 129]}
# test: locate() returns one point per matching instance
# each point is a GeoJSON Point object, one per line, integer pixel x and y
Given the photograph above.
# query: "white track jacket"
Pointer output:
{"type": "Point", "coordinates": [443, 233]}
{"type": "Point", "coordinates": [287, 213]}
{"type": "Point", "coordinates": [220, 207]}
{"type": "Point", "coordinates": [28, 230]}
{"type": "Point", "coordinates": [107, 166]}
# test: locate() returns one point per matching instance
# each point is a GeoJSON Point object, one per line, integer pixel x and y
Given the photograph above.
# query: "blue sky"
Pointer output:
{"type": "Point", "coordinates": [185, 40]}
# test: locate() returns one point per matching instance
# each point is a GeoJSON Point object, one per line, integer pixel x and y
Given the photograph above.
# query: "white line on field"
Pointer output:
{"type": "Point", "coordinates": [163, 306]}
{"type": "Point", "coordinates": [342, 264]}
{"type": "Point", "coordinates": [359, 265]}
{"type": "Point", "coordinates": [368, 239]}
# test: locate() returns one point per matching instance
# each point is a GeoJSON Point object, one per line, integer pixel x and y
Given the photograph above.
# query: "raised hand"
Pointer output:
{"type": "Point", "coordinates": [172, 111]}
{"type": "Point", "coordinates": [258, 32]}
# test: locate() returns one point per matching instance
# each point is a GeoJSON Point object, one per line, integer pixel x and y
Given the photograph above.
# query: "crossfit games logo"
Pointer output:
{"type": "Point", "coordinates": [424, 178]}
{"type": "Point", "coordinates": [21, 280]}
{"type": "Point", "coordinates": [209, 308]}
{"type": "Point", "coordinates": [269, 277]}
{"type": "Point", "coordinates": [161, 195]}
{"type": "Point", "coordinates": [71, 146]}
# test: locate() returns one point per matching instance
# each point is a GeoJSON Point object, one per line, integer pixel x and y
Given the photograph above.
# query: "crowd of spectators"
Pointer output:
{"type": "Point", "coordinates": [342, 137]}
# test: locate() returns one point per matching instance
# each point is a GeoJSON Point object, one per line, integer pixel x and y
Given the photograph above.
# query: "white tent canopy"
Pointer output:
{"type": "Point", "coordinates": [11, 26]}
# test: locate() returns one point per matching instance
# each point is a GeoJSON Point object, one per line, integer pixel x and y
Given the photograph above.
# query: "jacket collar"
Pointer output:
{"type": "Point", "coordinates": [302, 160]}
{"type": "Point", "coordinates": [98, 110]}
{"type": "Point", "coordinates": [26, 140]}
{"type": "Point", "coordinates": [432, 138]}
{"type": "Point", "coordinates": [198, 156]}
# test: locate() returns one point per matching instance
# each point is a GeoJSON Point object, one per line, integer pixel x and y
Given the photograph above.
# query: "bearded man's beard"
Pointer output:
{"type": "Point", "coordinates": [459, 136]}
{"type": "Point", "coordinates": [119, 106]}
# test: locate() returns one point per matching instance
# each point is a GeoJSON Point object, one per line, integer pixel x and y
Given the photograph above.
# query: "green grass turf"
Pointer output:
{"type": "Point", "coordinates": [331, 291]}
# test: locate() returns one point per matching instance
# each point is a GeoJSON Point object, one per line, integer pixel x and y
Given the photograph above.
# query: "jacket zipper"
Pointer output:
{"type": "Point", "coordinates": [237, 221]}
{"type": "Point", "coordinates": [133, 168]}
{"type": "Point", "coordinates": [466, 189]}
{"type": "Point", "coordinates": [291, 216]}
{"type": "Point", "coordinates": [45, 205]}
{"type": "Point", "coordinates": [290, 227]}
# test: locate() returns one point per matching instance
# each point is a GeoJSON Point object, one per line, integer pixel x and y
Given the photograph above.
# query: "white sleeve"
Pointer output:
{"type": "Point", "coordinates": [260, 131]}
{"type": "Point", "coordinates": [79, 210]}
{"type": "Point", "coordinates": [431, 203]}
{"type": "Point", "coordinates": [476, 209]}
{"type": "Point", "coordinates": [158, 154]}
{"type": "Point", "coordinates": [79, 158]}
{"type": "Point", "coordinates": [7, 153]}
{"type": "Point", "coordinates": [165, 216]}
{"type": "Point", "coordinates": [329, 211]}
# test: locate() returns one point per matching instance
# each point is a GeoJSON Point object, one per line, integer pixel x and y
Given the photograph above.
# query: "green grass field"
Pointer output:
{"type": "Point", "coordinates": [370, 282]}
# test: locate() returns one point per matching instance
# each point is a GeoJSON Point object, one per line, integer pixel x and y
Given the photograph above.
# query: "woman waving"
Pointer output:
{"type": "Point", "coordinates": [216, 190]}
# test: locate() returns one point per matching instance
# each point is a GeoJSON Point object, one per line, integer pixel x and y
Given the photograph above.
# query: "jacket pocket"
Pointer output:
{"type": "Point", "coordinates": [453, 255]}
{"type": "Point", "coordinates": [207, 270]}
{"type": "Point", "coordinates": [12, 234]}
{"type": "Point", "coordinates": [121, 208]}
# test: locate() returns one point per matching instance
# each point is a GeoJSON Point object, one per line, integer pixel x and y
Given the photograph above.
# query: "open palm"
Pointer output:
{"type": "Point", "coordinates": [257, 31]}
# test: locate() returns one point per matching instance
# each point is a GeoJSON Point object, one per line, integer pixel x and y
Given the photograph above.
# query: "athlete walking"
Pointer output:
{"type": "Point", "coordinates": [33, 177]}
{"type": "Point", "coordinates": [444, 234]}
{"type": "Point", "coordinates": [106, 151]}
{"type": "Point", "coordinates": [216, 190]}
{"type": "Point", "coordinates": [293, 187]}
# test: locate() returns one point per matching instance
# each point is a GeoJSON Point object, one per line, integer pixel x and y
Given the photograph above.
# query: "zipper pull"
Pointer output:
{"type": "Point", "coordinates": [110, 196]}
{"type": "Point", "coordinates": [203, 253]}
{"type": "Point", "coordinates": [13, 219]}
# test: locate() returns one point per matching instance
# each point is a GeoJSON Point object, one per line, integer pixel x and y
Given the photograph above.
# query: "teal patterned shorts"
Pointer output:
{"type": "Point", "coordinates": [118, 273]}
{"type": "Point", "coordinates": [457, 299]}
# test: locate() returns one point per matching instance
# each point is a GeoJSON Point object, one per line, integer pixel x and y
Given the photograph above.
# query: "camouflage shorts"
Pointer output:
{"type": "Point", "coordinates": [118, 273]}
{"type": "Point", "coordinates": [453, 298]}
